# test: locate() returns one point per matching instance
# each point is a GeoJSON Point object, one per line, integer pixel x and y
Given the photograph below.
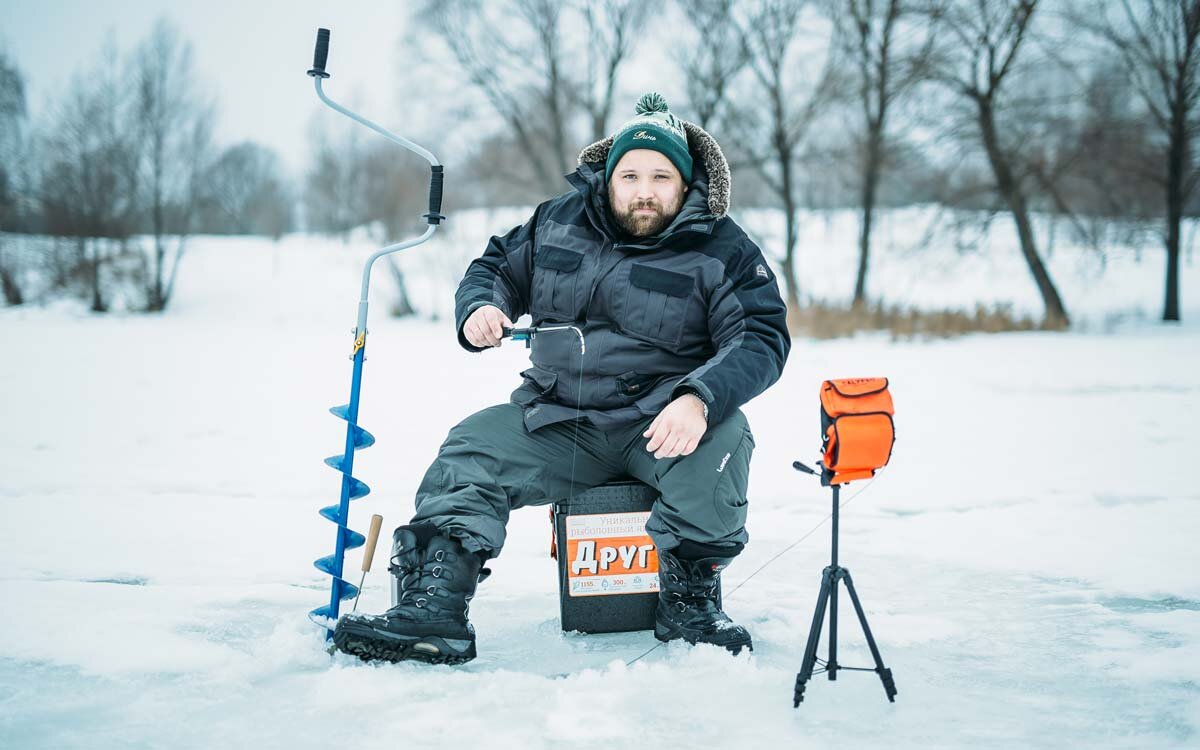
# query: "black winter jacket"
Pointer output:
{"type": "Point", "coordinates": [694, 308]}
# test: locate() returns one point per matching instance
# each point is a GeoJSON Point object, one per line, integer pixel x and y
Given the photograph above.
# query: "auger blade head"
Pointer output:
{"type": "Point", "coordinates": [323, 616]}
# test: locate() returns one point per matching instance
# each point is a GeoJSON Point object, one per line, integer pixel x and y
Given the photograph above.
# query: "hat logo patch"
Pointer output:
{"type": "Point", "coordinates": [644, 136]}
{"type": "Point", "coordinates": [761, 271]}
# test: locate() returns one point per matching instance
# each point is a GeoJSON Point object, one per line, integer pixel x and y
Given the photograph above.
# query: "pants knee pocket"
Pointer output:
{"type": "Point", "coordinates": [729, 495]}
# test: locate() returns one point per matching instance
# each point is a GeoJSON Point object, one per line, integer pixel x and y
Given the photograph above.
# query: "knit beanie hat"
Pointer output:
{"type": "Point", "coordinates": [655, 128]}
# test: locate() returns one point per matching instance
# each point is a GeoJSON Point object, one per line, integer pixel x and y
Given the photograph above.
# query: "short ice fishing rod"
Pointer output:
{"type": "Point", "coordinates": [529, 334]}
{"type": "Point", "coordinates": [356, 437]}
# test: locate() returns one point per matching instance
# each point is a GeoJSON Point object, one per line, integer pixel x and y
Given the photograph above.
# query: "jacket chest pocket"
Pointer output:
{"type": "Point", "coordinates": [556, 281]}
{"type": "Point", "coordinates": [656, 303]}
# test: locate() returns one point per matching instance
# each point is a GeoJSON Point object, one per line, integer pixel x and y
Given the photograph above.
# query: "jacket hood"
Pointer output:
{"type": "Point", "coordinates": [713, 179]}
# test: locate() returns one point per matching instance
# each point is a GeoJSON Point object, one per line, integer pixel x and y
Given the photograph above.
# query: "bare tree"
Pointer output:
{"type": "Point", "coordinates": [777, 119]}
{"type": "Point", "coordinates": [174, 124]}
{"type": "Point", "coordinates": [245, 192]}
{"type": "Point", "coordinates": [611, 28]}
{"type": "Point", "coordinates": [331, 197]}
{"type": "Point", "coordinates": [393, 201]}
{"type": "Point", "coordinates": [13, 186]}
{"type": "Point", "coordinates": [355, 183]}
{"type": "Point", "coordinates": [714, 60]}
{"type": "Point", "coordinates": [89, 184]}
{"type": "Point", "coordinates": [1119, 178]}
{"type": "Point", "coordinates": [519, 72]}
{"type": "Point", "coordinates": [888, 59]}
{"type": "Point", "coordinates": [1156, 41]}
{"type": "Point", "coordinates": [978, 43]}
{"type": "Point", "coordinates": [528, 74]}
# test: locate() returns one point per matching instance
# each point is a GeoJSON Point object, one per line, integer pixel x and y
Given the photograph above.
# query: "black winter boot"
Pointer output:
{"type": "Point", "coordinates": [687, 604]}
{"type": "Point", "coordinates": [428, 623]}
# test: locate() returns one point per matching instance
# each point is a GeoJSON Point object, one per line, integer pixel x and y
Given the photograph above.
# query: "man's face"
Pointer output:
{"type": "Point", "coordinates": [645, 192]}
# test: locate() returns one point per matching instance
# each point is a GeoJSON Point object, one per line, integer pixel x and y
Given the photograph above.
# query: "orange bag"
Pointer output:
{"type": "Point", "coordinates": [857, 431]}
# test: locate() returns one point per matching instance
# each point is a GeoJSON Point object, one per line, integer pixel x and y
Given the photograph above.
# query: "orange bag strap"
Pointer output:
{"type": "Point", "coordinates": [856, 396]}
{"type": "Point", "coordinates": [858, 386]}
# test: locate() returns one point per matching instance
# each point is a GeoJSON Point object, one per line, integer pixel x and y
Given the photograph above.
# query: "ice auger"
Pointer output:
{"type": "Point", "coordinates": [356, 437]}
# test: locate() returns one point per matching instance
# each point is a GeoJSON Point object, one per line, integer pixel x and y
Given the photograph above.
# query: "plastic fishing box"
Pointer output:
{"type": "Point", "coordinates": [607, 564]}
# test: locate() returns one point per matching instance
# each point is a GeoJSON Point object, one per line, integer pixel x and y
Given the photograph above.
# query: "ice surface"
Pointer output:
{"type": "Point", "coordinates": [1028, 562]}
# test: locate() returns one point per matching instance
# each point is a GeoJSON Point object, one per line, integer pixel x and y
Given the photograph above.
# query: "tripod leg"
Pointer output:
{"type": "Point", "coordinates": [831, 666]}
{"type": "Point", "coordinates": [885, 674]}
{"type": "Point", "coordinates": [814, 636]}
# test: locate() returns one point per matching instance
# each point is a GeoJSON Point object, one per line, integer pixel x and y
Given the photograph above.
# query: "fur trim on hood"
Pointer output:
{"type": "Point", "coordinates": [703, 147]}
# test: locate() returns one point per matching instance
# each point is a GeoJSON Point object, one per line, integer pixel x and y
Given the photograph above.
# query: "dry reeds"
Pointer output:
{"type": "Point", "coordinates": [824, 320]}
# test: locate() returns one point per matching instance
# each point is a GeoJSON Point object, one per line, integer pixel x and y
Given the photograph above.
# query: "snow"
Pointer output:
{"type": "Point", "coordinates": [1028, 562]}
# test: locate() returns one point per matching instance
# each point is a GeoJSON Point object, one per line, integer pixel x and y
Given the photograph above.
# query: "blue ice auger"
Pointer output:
{"type": "Point", "coordinates": [357, 437]}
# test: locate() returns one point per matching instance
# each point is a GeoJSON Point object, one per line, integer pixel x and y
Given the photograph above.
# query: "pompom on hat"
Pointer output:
{"type": "Point", "coordinates": [654, 127]}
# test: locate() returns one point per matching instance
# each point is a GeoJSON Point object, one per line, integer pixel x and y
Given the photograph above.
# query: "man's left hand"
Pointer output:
{"type": "Point", "coordinates": [677, 429]}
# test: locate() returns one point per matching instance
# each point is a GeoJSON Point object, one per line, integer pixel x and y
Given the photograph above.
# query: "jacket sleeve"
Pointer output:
{"type": "Point", "coordinates": [748, 322]}
{"type": "Point", "coordinates": [500, 277]}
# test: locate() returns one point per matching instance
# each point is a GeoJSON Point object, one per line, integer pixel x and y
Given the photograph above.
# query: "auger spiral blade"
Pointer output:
{"type": "Point", "coordinates": [352, 489]}
{"type": "Point", "coordinates": [362, 438]}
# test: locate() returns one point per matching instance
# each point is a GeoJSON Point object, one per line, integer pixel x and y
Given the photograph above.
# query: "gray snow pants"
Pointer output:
{"type": "Point", "coordinates": [490, 464]}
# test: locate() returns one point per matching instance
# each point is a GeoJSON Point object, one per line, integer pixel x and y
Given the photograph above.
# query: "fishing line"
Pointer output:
{"type": "Point", "coordinates": [578, 404]}
{"type": "Point", "coordinates": [762, 567]}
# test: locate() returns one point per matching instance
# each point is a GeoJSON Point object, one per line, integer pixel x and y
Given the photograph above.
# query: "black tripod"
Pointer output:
{"type": "Point", "coordinates": [829, 595]}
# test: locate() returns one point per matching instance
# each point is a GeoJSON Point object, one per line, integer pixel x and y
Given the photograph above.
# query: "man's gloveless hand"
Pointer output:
{"type": "Point", "coordinates": [677, 429]}
{"type": "Point", "coordinates": [485, 326]}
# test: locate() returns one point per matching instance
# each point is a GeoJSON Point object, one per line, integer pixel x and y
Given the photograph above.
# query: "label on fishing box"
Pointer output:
{"type": "Point", "coordinates": [610, 553]}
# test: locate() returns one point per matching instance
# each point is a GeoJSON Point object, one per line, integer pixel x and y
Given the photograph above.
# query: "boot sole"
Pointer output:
{"type": "Point", "coordinates": [666, 635]}
{"type": "Point", "coordinates": [370, 644]}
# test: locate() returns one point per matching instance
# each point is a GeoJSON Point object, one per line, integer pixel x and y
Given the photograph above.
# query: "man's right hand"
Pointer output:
{"type": "Point", "coordinates": [485, 326]}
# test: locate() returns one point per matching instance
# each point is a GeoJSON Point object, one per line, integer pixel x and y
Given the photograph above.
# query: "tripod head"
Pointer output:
{"type": "Point", "coordinates": [806, 469]}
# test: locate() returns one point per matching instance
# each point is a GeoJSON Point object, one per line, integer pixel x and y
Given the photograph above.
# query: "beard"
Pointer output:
{"type": "Point", "coordinates": [644, 224]}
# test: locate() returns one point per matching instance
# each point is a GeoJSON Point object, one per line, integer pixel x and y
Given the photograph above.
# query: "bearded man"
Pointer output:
{"type": "Point", "coordinates": [683, 324]}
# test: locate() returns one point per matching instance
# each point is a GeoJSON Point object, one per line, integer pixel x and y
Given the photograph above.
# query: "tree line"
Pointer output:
{"type": "Point", "coordinates": [121, 172]}
{"type": "Point", "coordinates": [1079, 110]}
{"type": "Point", "coordinates": [1082, 110]}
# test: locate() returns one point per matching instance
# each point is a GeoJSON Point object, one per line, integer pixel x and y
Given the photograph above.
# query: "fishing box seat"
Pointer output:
{"type": "Point", "coordinates": [607, 564]}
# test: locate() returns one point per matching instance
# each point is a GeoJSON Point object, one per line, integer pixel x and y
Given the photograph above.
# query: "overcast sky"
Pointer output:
{"type": "Point", "coordinates": [252, 54]}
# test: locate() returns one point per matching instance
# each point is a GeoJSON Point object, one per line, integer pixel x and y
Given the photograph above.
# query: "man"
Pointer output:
{"type": "Point", "coordinates": [682, 323]}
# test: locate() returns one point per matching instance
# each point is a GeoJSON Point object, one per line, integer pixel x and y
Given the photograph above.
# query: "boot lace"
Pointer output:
{"type": "Point", "coordinates": [410, 575]}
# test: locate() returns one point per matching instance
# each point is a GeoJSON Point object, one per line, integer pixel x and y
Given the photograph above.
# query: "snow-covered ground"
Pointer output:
{"type": "Point", "coordinates": [1028, 562]}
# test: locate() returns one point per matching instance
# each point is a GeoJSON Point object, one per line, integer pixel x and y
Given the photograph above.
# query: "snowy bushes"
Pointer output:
{"type": "Point", "coordinates": [100, 274]}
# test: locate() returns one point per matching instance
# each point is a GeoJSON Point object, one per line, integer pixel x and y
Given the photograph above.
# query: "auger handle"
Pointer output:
{"type": "Point", "coordinates": [320, 54]}
{"type": "Point", "coordinates": [372, 539]}
{"type": "Point", "coordinates": [435, 195]}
